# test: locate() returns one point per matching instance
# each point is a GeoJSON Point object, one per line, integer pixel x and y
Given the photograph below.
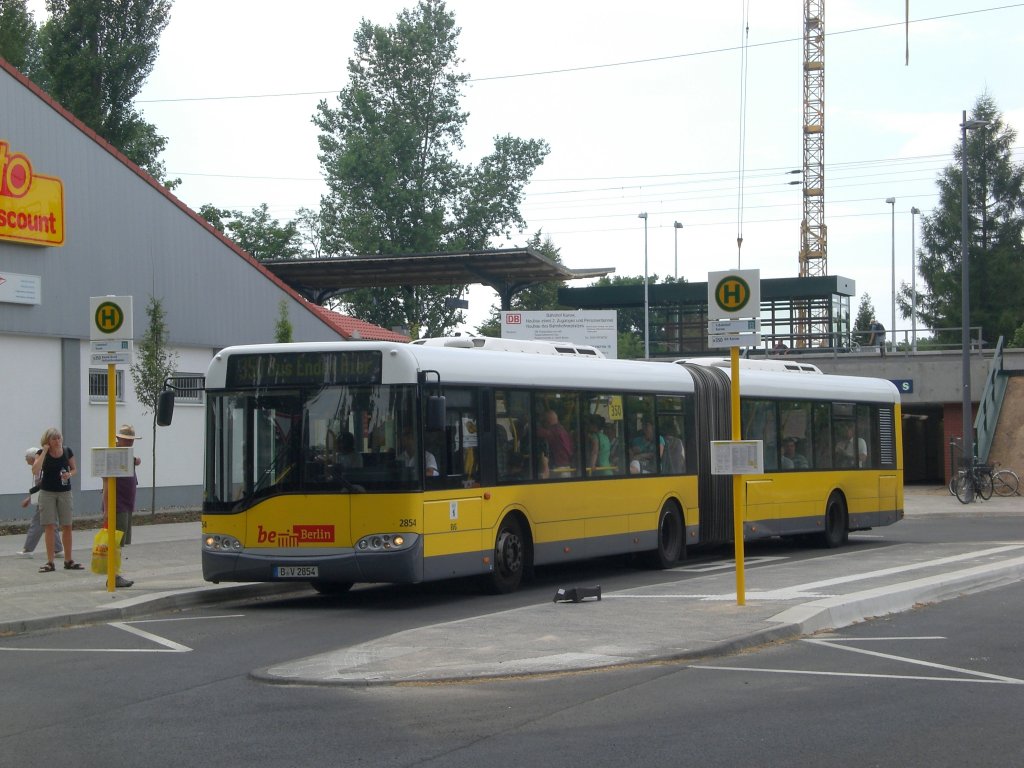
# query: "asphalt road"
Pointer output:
{"type": "Point", "coordinates": [941, 685]}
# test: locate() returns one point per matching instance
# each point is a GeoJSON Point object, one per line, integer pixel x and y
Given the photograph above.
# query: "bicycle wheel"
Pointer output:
{"type": "Point", "coordinates": [964, 488]}
{"type": "Point", "coordinates": [1005, 482]}
{"type": "Point", "coordinates": [983, 482]}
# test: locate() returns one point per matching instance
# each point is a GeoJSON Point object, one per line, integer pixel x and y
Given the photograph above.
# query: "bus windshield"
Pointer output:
{"type": "Point", "coordinates": [307, 440]}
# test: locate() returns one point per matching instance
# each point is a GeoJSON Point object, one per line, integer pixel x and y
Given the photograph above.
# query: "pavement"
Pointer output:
{"type": "Point", "coordinates": [692, 614]}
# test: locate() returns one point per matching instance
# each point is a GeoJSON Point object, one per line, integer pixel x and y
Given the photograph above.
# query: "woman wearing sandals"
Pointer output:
{"type": "Point", "coordinates": [56, 463]}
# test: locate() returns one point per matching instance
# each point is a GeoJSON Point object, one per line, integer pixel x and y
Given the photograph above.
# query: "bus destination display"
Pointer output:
{"type": "Point", "coordinates": [304, 368]}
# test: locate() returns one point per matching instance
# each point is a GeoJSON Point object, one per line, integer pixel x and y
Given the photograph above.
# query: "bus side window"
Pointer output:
{"type": "Point", "coordinates": [759, 423]}
{"type": "Point", "coordinates": [822, 428]}
{"type": "Point", "coordinates": [513, 448]}
{"type": "Point", "coordinates": [864, 424]}
{"type": "Point", "coordinates": [460, 464]}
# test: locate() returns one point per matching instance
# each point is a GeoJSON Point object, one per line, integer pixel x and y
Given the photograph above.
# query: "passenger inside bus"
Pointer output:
{"type": "Point", "coordinates": [646, 450]}
{"type": "Point", "coordinates": [559, 443]}
{"type": "Point", "coordinates": [790, 458]}
{"type": "Point", "coordinates": [348, 456]}
{"type": "Point", "coordinates": [407, 457]}
{"type": "Point", "coordinates": [851, 451]}
{"type": "Point", "coordinates": [599, 448]}
{"type": "Point", "coordinates": [611, 429]}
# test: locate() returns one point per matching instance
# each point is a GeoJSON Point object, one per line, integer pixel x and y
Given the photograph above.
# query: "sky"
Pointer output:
{"type": "Point", "coordinates": [645, 106]}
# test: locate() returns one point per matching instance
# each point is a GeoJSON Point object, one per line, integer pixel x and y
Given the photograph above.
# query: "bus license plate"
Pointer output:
{"type": "Point", "coordinates": [296, 571]}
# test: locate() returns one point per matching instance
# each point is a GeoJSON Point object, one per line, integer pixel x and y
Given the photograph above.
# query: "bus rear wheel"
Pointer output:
{"type": "Point", "coordinates": [509, 559]}
{"type": "Point", "coordinates": [671, 539]}
{"type": "Point", "coordinates": [836, 532]}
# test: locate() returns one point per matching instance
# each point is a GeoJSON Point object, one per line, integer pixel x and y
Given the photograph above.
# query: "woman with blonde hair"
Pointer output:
{"type": "Point", "coordinates": [56, 464]}
{"type": "Point", "coordinates": [35, 528]}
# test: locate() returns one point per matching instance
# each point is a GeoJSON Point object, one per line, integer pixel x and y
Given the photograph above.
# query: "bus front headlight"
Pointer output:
{"type": "Point", "coordinates": [384, 542]}
{"type": "Point", "coordinates": [218, 542]}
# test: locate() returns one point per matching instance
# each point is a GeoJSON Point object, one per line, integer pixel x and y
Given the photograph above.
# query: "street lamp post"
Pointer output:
{"type": "Point", "coordinates": [967, 454]}
{"type": "Point", "coordinates": [892, 328]}
{"type": "Point", "coordinates": [647, 335]}
{"type": "Point", "coordinates": [677, 226]}
{"type": "Point", "coordinates": [914, 211]}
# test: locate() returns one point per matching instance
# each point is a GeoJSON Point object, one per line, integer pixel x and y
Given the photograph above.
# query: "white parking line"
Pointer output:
{"type": "Point", "coordinates": [838, 644]}
{"type": "Point", "coordinates": [168, 646]}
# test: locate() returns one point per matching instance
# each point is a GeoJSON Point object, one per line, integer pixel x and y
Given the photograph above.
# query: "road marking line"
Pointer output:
{"type": "Point", "coordinates": [838, 644]}
{"type": "Point", "coordinates": [169, 646]}
{"type": "Point", "coordinates": [727, 566]}
{"type": "Point", "coordinates": [1009, 681]}
{"type": "Point", "coordinates": [905, 568]}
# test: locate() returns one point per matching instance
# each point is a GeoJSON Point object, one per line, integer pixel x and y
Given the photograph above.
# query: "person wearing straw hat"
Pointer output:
{"type": "Point", "coordinates": [124, 495]}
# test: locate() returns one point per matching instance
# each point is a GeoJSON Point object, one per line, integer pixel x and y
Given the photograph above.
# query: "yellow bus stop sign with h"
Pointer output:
{"type": "Point", "coordinates": [736, 295]}
{"type": "Point", "coordinates": [111, 338]}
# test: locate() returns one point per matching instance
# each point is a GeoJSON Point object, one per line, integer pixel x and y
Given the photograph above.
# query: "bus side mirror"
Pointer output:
{"type": "Point", "coordinates": [165, 408]}
{"type": "Point", "coordinates": [435, 413]}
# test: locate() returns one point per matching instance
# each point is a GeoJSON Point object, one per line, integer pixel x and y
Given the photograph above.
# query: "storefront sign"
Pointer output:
{"type": "Point", "coordinates": [31, 205]}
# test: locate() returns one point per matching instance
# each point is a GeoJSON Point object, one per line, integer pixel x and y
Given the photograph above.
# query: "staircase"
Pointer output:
{"type": "Point", "coordinates": [1000, 420]}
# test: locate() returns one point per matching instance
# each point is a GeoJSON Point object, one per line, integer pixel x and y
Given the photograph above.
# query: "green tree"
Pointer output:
{"type": "Point", "coordinates": [19, 37]}
{"type": "Point", "coordinates": [215, 216]}
{"type": "Point", "coordinates": [865, 314]}
{"type": "Point", "coordinates": [995, 188]}
{"type": "Point", "coordinates": [394, 186]}
{"type": "Point", "coordinates": [283, 327]}
{"type": "Point", "coordinates": [258, 234]}
{"type": "Point", "coordinates": [154, 364]}
{"type": "Point", "coordinates": [96, 56]}
{"type": "Point", "coordinates": [540, 297]}
{"type": "Point", "coordinates": [310, 229]}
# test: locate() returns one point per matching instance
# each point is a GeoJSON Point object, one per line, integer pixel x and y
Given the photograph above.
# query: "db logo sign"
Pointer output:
{"type": "Point", "coordinates": [513, 318]}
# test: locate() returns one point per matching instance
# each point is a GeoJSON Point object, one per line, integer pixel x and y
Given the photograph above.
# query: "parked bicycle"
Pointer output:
{"type": "Point", "coordinates": [1005, 482]}
{"type": "Point", "coordinates": [972, 481]}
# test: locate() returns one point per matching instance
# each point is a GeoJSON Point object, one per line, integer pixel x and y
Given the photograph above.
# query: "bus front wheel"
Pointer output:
{"type": "Point", "coordinates": [671, 539]}
{"type": "Point", "coordinates": [509, 557]}
{"type": "Point", "coordinates": [836, 532]}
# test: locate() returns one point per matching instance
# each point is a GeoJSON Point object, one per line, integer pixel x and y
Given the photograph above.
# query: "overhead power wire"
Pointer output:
{"type": "Point", "coordinates": [609, 65]}
{"type": "Point", "coordinates": [743, 132]}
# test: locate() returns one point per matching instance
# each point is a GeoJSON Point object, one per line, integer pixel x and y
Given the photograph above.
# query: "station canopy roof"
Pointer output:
{"type": "Point", "coordinates": [506, 270]}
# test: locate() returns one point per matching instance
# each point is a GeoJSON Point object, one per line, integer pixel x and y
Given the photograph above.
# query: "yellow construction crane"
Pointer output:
{"type": "Point", "coordinates": [813, 232]}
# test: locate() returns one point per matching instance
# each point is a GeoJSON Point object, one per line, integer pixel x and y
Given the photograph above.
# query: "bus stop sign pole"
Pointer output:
{"type": "Point", "coordinates": [734, 307]}
{"type": "Point", "coordinates": [737, 480]}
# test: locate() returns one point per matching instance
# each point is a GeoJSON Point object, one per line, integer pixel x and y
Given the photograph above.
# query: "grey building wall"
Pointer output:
{"type": "Point", "coordinates": [936, 376]}
{"type": "Point", "coordinates": [125, 237]}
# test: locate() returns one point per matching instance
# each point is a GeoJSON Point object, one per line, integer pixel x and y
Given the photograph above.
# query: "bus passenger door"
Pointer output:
{"type": "Point", "coordinates": [453, 542]}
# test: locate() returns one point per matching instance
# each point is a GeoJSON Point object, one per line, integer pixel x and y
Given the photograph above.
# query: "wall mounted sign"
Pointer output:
{"type": "Point", "coordinates": [31, 205]}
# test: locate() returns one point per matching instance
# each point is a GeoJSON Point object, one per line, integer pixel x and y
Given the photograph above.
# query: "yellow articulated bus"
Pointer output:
{"type": "Point", "coordinates": [337, 463]}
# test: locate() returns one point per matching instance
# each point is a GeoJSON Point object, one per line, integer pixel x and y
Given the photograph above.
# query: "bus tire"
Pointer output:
{"type": "Point", "coordinates": [671, 539]}
{"type": "Point", "coordinates": [837, 523]}
{"type": "Point", "coordinates": [509, 558]}
{"type": "Point", "coordinates": [331, 587]}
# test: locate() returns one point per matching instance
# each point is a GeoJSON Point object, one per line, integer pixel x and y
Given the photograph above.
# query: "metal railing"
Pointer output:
{"type": "Point", "coordinates": [898, 342]}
